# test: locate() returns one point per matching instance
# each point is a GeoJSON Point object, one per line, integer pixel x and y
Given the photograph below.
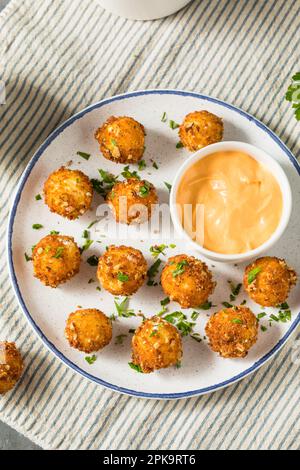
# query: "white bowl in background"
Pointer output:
{"type": "Point", "coordinates": [262, 157]}
{"type": "Point", "coordinates": [143, 9]}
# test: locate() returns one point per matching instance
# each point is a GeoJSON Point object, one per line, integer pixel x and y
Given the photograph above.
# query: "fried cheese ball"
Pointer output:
{"type": "Point", "coordinates": [122, 270]}
{"type": "Point", "coordinates": [68, 193]}
{"type": "Point", "coordinates": [132, 201]}
{"type": "Point", "coordinates": [232, 331]}
{"type": "Point", "coordinates": [88, 330]}
{"type": "Point", "coordinates": [121, 139]}
{"type": "Point", "coordinates": [56, 258]}
{"type": "Point", "coordinates": [11, 366]}
{"type": "Point", "coordinates": [187, 280]}
{"type": "Point", "coordinates": [268, 281]}
{"type": "Point", "coordinates": [156, 344]}
{"type": "Point", "coordinates": [200, 129]}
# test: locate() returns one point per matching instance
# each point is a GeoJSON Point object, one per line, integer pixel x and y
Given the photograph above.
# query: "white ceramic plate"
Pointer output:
{"type": "Point", "coordinates": [46, 309]}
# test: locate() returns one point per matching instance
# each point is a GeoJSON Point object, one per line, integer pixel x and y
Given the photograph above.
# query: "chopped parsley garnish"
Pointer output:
{"type": "Point", "coordinates": [155, 165]}
{"type": "Point", "coordinates": [142, 165]}
{"type": "Point", "coordinates": [59, 252]}
{"type": "Point", "coordinates": [168, 185]}
{"type": "Point", "coordinates": [98, 288]}
{"type": "Point", "coordinates": [263, 328]}
{"type": "Point", "coordinates": [253, 273]}
{"type": "Point", "coordinates": [37, 226]}
{"type": "Point", "coordinates": [165, 301]}
{"type": "Point", "coordinates": [172, 245]}
{"type": "Point", "coordinates": [196, 337]}
{"type": "Point", "coordinates": [85, 234]}
{"type": "Point", "coordinates": [274, 318]}
{"type": "Point", "coordinates": [104, 186]}
{"type": "Point", "coordinates": [92, 223]}
{"type": "Point", "coordinates": [145, 189]}
{"type": "Point", "coordinates": [114, 142]}
{"type": "Point", "coordinates": [194, 315]}
{"type": "Point", "coordinates": [91, 281]}
{"type": "Point", "coordinates": [132, 331]}
{"type": "Point", "coordinates": [120, 339]}
{"type": "Point", "coordinates": [152, 272]}
{"type": "Point", "coordinates": [284, 306]}
{"type": "Point", "coordinates": [93, 260]}
{"type": "Point", "coordinates": [90, 359]}
{"type": "Point", "coordinates": [86, 246]}
{"type": "Point", "coordinates": [54, 232]}
{"type": "Point", "coordinates": [126, 173]}
{"type": "Point", "coordinates": [285, 315]}
{"type": "Point", "coordinates": [244, 302]}
{"type": "Point", "coordinates": [235, 290]}
{"type": "Point", "coordinates": [205, 306]}
{"type": "Point", "coordinates": [135, 367]}
{"type": "Point", "coordinates": [261, 315]}
{"type": "Point", "coordinates": [28, 258]}
{"type": "Point", "coordinates": [238, 321]}
{"type": "Point", "coordinates": [178, 365]}
{"type": "Point", "coordinates": [179, 319]}
{"type": "Point", "coordinates": [123, 310]}
{"type": "Point", "coordinates": [179, 145]}
{"type": "Point", "coordinates": [157, 250]}
{"type": "Point", "coordinates": [164, 117]}
{"type": "Point", "coordinates": [180, 269]}
{"type": "Point", "coordinates": [227, 304]}
{"type": "Point", "coordinates": [122, 277]}
{"type": "Point", "coordinates": [293, 94]}
{"type": "Point", "coordinates": [38, 197]}
{"type": "Point", "coordinates": [173, 124]}
{"type": "Point", "coordinates": [84, 155]}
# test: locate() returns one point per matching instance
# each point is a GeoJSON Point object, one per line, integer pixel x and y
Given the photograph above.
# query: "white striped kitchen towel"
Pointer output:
{"type": "Point", "coordinates": [58, 56]}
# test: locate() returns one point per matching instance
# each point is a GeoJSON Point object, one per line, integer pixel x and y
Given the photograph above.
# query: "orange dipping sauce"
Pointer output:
{"type": "Point", "coordinates": [242, 202]}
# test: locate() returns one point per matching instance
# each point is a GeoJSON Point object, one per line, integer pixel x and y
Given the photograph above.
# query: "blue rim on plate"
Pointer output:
{"type": "Point", "coordinates": [16, 288]}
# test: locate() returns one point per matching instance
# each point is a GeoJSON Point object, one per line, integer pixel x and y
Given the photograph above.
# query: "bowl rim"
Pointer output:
{"type": "Point", "coordinates": [259, 155]}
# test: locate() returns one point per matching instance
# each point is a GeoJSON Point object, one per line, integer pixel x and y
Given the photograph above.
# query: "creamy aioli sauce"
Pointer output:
{"type": "Point", "coordinates": [242, 201]}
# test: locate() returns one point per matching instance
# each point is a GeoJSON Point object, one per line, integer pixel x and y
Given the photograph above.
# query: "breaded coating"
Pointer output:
{"type": "Point", "coordinates": [56, 258]}
{"type": "Point", "coordinates": [88, 330]}
{"type": "Point", "coordinates": [122, 270]}
{"type": "Point", "coordinates": [132, 201]}
{"type": "Point", "coordinates": [268, 281]}
{"type": "Point", "coordinates": [68, 193]}
{"type": "Point", "coordinates": [232, 331]}
{"type": "Point", "coordinates": [200, 129]}
{"type": "Point", "coordinates": [121, 139]}
{"type": "Point", "coordinates": [187, 280]}
{"type": "Point", "coordinates": [156, 344]}
{"type": "Point", "coordinates": [11, 366]}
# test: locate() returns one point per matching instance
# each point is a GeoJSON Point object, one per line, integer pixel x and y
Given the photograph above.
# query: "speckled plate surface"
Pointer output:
{"type": "Point", "coordinates": [46, 309]}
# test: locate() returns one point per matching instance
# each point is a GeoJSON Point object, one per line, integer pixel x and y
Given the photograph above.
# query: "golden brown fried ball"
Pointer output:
{"type": "Point", "coordinates": [56, 258]}
{"type": "Point", "coordinates": [232, 331]}
{"type": "Point", "coordinates": [187, 280]}
{"type": "Point", "coordinates": [132, 201]}
{"type": "Point", "coordinates": [121, 139]}
{"type": "Point", "coordinates": [200, 129]}
{"type": "Point", "coordinates": [156, 344]}
{"type": "Point", "coordinates": [122, 270]}
{"type": "Point", "coordinates": [88, 330]}
{"type": "Point", "coordinates": [11, 366]}
{"type": "Point", "coordinates": [268, 281]}
{"type": "Point", "coordinates": [68, 193]}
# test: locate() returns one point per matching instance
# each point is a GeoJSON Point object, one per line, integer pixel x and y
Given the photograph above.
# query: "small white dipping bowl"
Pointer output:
{"type": "Point", "coordinates": [274, 168]}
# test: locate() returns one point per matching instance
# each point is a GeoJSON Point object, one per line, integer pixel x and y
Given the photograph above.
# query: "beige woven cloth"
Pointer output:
{"type": "Point", "coordinates": [58, 56]}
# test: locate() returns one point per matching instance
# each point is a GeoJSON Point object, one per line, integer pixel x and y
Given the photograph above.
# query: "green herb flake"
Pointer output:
{"type": "Point", "coordinates": [132, 331]}
{"type": "Point", "coordinates": [165, 301]}
{"type": "Point", "coordinates": [86, 234]}
{"type": "Point", "coordinates": [196, 337]}
{"type": "Point", "coordinates": [142, 165]}
{"type": "Point", "coordinates": [227, 304]}
{"type": "Point", "coordinates": [261, 315]}
{"type": "Point", "coordinates": [54, 232]}
{"type": "Point", "coordinates": [120, 339]}
{"type": "Point", "coordinates": [27, 258]}
{"type": "Point", "coordinates": [235, 289]}
{"type": "Point", "coordinates": [284, 306]}
{"type": "Point", "coordinates": [152, 272]}
{"type": "Point", "coordinates": [86, 246]}
{"type": "Point", "coordinates": [91, 281]}
{"type": "Point", "coordinates": [253, 273]}
{"type": "Point", "coordinates": [244, 302]}
{"type": "Point", "coordinates": [127, 174]}
{"type": "Point", "coordinates": [164, 117]}
{"type": "Point", "coordinates": [157, 250]}
{"type": "Point", "coordinates": [59, 252]}
{"type": "Point", "coordinates": [155, 165]}
{"type": "Point", "coordinates": [285, 316]}
{"type": "Point", "coordinates": [180, 269]}
{"type": "Point", "coordinates": [114, 142]}
{"type": "Point", "coordinates": [37, 226]}
{"type": "Point", "coordinates": [144, 189]}
{"type": "Point", "coordinates": [91, 359]}
{"type": "Point", "coordinates": [274, 318]}
{"type": "Point", "coordinates": [92, 224]}
{"type": "Point", "coordinates": [263, 328]}
{"type": "Point", "coordinates": [195, 315]}
{"type": "Point", "coordinates": [135, 367]}
{"type": "Point", "coordinates": [205, 306]}
{"type": "Point", "coordinates": [38, 197]}
{"type": "Point", "coordinates": [173, 124]}
{"type": "Point", "coordinates": [237, 321]}
{"type": "Point", "coordinates": [178, 365]}
{"type": "Point", "coordinates": [168, 185]}
{"type": "Point", "coordinates": [293, 95]}
{"type": "Point", "coordinates": [123, 310]}
{"type": "Point", "coordinates": [84, 155]}
{"type": "Point", "coordinates": [122, 277]}
{"type": "Point", "coordinates": [172, 246]}
{"type": "Point", "coordinates": [179, 145]}
{"type": "Point", "coordinates": [93, 260]}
